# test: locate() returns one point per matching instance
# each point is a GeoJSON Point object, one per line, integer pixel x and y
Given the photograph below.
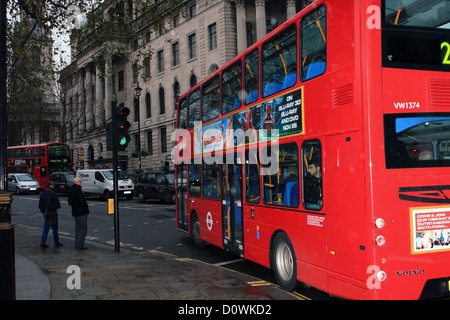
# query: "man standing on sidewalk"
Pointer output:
{"type": "Point", "coordinates": [80, 211]}
{"type": "Point", "coordinates": [49, 204]}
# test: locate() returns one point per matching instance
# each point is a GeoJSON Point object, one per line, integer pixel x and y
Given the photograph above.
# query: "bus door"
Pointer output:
{"type": "Point", "coordinates": [346, 221]}
{"type": "Point", "coordinates": [182, 197]}
{"type": "Point", "coordinates": [232, 206]}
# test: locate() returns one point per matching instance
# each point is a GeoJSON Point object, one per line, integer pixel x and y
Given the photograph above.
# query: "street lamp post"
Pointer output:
{"type": "Point", "coordinates": [137, 94]}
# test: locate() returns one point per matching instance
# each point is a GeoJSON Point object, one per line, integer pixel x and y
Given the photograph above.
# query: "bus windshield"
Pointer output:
{"type": "Point", "coordinates": [58, 150]}
{"type": "Point", "coordinates": [418, 13]}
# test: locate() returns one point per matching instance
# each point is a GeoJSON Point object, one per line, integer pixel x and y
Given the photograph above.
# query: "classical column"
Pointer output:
{"type": "Point", "coordinates": [260, 18]}
{"type": "Point", "coordinates": [99, 106]}
{"type": "Point", "coordinates": [108, 89]}
{"type": "Point", "coordinates": [89, 99]}
{"type": "Point", "coordinates": [241, 26]}
{"type": "Point", "coordinates": [291, 9]}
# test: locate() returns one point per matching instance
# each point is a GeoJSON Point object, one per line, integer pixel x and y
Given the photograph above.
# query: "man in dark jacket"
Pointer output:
{"type": "Point", "coordinates": [49, 204]}
{"type": "Point", "coordinates": [80, 211]}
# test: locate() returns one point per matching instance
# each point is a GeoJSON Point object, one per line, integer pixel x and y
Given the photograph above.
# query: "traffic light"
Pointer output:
{"type": "Point", "coordinates": [122, 125]}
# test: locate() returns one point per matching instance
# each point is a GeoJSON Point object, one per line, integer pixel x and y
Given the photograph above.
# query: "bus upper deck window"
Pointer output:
{"type": "Point", "coordinates": [279, 62]}
{"type": "Point", "coordinates": [210, 100]}
{"type": "Point", "coordinates": [251, 77]}
{"type": "Point", "coordinates": [194, 109]}
{"type": "Point", "coordinates": [314, 43]}
{"type": "Point", "coordinates": [182, 114]}
{"type": "Point", "coordinates": [231, 88]}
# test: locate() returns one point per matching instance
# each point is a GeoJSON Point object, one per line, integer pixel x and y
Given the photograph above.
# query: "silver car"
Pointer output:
{"type": "Point", "coordinates": [22, 183]}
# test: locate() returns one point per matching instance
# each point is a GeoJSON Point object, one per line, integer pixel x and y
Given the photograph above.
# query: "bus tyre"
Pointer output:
{"type": "Point", "coordinates": [284, 263]}
{"type": "Point", "coordinates": [195, 232]}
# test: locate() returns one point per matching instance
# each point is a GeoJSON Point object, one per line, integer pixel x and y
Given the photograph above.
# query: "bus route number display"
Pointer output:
{"type": "Point", "coordinates": [445, 47]}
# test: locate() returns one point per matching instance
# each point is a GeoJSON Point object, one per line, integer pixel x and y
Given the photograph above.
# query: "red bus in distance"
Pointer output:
{"type": "Point", "coordinates": [40, 160]}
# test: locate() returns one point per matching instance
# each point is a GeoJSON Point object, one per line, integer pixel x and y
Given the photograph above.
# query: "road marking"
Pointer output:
{"type": "Point", "coordinates": [259, 283]}
{"type": "Point", "coordinates": [161, 252]}
{"type": "Point", "coordinates": [185, 259]}
{"type": "Point", "coordinates": [300, 296]}
{"type": "Point", "coordinates": [219, 264]}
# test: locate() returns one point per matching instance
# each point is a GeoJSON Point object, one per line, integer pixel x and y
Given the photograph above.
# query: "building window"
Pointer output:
{"type": "Point", "coordinates": [176, 93]}
{"type": "Point", "coordinates": [192, 80]}
{"type": "Point", "coordinates": [135, 73]}
{"type": "Point", "coordinates": [121, 81]}
{"type": "Point", "coordinates": [212, 33]}
{"type": "Point", "coordinates": [192, 46]}
{"type": "Point", "coordinates": [175, 54]}
{"type": "Point", "coordinates": [136, 109]}
{"type": "Point", "coordinates": [162, 102]}
{"type": "Point", "coordinates": [147, 67]}
{"type": "Point", "coordinates": [192, 11]}
{"type": "Point", "coordinates": [148, 105]}
{"type": "Point", "coordinates": [161, 30]}
{"type": "Point", "coordinates": [160, 61]}
{"type": "Point", "coordinates": [163, 140]}
{"type": "Point", "coordinates": [136, 142]}
{"type": "Point", "coordinates": [176, 21]}
{"type": "Point", "coordinates": [150, 141]}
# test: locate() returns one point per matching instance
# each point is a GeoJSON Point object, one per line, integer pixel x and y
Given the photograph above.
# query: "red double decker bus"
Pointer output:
{"type": "Point", "coordinates": [40, 160]}
{"type": "Point", "coordinates": [323, 151]}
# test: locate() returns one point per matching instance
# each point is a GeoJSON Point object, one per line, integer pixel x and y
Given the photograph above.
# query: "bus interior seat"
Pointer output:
{"type": "Point", "coordinates": [252, 97]}
{"type": "Point", "coordinates": [291, 194]}
{"type": "Point", "coordinates": [237, 104]}
{"type": "Point", "coordinates": [315, 69]}
{"type": "Point", "coordinates": [289, 80]}
{"type": "Point", "coordinates": [272, 88]}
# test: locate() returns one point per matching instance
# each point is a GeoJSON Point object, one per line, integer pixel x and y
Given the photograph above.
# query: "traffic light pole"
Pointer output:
{"type": "Point", "coordinates": [115, 179]}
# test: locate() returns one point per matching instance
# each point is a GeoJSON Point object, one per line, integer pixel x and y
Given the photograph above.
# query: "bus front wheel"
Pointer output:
{"type": "Point", "coordinates": [284, 263]}
{"type": "Point", "coordinates": [195, 232]}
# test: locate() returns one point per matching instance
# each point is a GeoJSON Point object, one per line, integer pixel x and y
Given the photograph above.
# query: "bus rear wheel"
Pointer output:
{"type": "Point", "coordinates": [284, 263]}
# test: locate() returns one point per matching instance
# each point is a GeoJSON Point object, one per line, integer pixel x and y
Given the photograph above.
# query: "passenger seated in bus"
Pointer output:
{"type": "Point", "coordinates": [426, 155]}
{"type": "Point", "coordinates": [313, 185]}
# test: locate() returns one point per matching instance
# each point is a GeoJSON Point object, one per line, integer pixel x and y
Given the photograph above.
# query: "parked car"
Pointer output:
{"type": "Point", "coordinates": [155, 185]}
{"type": "Point", "coordinates": [63, 181]}
{"type": "Point", "coordinates": [22, 183]}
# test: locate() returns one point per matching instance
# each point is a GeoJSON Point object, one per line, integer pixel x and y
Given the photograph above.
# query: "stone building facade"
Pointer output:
{"type": "Point", "coordinates": [191, 46]}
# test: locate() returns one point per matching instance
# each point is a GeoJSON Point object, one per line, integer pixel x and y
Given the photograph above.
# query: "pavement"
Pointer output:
{"type": "Point", "coordinates": [100, 273]}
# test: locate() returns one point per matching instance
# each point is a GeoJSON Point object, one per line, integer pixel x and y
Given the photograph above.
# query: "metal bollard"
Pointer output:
{"type": "Point", "coordinates": [7, 249]}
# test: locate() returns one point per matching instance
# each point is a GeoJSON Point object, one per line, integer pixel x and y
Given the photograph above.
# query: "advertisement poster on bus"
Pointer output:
{"type": "Point", "coordinates": [278, 117]}
{"type": "Point", "coordinates": [430, 229]}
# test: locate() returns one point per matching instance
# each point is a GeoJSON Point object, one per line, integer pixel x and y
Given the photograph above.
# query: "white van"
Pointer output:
{"type": "Point", "coordinates": [100, 182]}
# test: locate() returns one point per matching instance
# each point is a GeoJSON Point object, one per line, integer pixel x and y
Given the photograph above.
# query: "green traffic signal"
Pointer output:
{"type": "Point", "coordinates": [123, 141]}
{"type": "Point", "coordinates": [121, 127]}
